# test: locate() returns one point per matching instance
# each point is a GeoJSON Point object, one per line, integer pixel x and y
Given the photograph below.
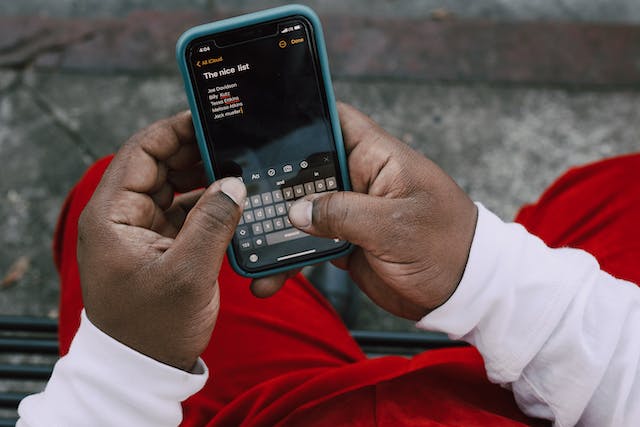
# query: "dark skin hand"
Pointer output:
{"type": "Point", "coordinates": [412, 224]}
{"type": "Point", "coordinates": [149, 261]}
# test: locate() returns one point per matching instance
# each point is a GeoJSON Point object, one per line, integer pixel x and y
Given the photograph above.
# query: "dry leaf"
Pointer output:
{"type": "Point", "coordinates": [442, 14]}
{"type": "Point", "coordinates": [16, 271]}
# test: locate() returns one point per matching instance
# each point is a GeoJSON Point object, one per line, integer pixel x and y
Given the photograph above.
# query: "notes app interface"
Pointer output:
{"type": "Point", "coordinates": [263, 107]}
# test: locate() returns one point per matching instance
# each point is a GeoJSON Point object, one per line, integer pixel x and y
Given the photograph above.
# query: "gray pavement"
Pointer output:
{"type": "Point", "coordinates": [502, 143]}
{"type": "Point", "coordinates": [566, 10]}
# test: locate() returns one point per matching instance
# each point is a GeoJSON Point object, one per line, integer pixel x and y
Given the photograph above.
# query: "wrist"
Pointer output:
{"type": "Point", "coordinates": [144, 344]}
{"type": "Point", "coordinates": [460, 239]}
{"type": "Point", "coordinates": [100, 375]}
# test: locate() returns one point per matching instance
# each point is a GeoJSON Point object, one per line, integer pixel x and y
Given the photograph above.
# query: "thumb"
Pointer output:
{"type": "Point", "coordinates": [210, 225]}
{"type": "Point", "coordinates": [355, 217]}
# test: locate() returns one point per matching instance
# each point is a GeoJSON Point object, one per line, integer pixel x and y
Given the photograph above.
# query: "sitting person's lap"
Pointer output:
{"type": "Point", "coordinates": [290, 359]}
{"type": "Point", "coordinates": [596, 208]}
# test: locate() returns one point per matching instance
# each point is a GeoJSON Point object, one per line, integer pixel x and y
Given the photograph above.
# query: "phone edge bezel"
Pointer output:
{"type": "Point", "coordinates": [251, 19]}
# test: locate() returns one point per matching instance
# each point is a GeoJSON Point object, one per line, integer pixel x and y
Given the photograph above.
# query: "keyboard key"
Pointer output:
{"type": "Point", "coordinates": [288, 193]}
{"type": "Point", "coordinates": [281, 210]}
{"type": "Point", "coordinates": [284, 236]}
{"type": "Point", "coordinates": [265, 221]}
{"type": "Point", "coordinates": [242, 232]}
{"type": "Point", "coordinates": [267, 226]}
{"type": "Point", "coordinates": [332, 184]}
{"type": "Point", "coordinates": [256, 201]}
{"type": "Point", "coordinates": [266, 198]}
{"type": "Point", "coordinates": [257, 228]}
{"type": "Point", "coordinates": [248, 217]}
{"type": "Point", "coordinates": [309, 188]}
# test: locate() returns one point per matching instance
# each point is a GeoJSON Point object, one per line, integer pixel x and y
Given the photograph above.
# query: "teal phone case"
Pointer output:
{"type": "Point", "coordinates": [242, 21]}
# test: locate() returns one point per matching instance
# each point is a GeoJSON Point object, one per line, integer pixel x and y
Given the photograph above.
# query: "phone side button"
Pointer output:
{"type": "Point", "coordinates": [285, 236]}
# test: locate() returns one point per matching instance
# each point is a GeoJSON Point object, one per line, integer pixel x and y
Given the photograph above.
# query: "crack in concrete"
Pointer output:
{"type": "Point", "coordinates": [14, 82]}
{"type": "Point", "coordinates": [25, 51]}
{"type": "Point", "coordinates": [18, 43]}
{"type": "Point", "coordinates": [65, 124]}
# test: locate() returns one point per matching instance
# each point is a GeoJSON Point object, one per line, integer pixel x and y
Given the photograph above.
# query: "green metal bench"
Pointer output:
{"type": "Point", "coordinates": [29, 348]}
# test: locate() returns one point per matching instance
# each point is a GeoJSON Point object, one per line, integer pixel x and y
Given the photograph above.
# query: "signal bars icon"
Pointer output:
{"type": "Point", "coordinates": [289, 29]}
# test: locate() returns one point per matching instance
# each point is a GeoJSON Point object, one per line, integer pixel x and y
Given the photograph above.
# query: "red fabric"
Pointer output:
{"type": "Point", "coordinates": [65, 240]}
{"type": "Point", "coordinates": [289, 360]}
{"type": "Point", "coordinates": [595, 208]}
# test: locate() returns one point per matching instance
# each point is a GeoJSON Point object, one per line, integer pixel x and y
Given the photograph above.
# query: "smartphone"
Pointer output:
{"type": "Point", "coordinates": [264, 110]}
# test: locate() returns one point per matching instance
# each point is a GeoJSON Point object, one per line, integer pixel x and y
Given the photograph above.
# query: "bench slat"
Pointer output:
{"type": "Point", "coordinates": [28, 324]}
{"type": "Point", "coordinates": [25, 372]}
{"type": "Point", "coordinates": [28, 345]}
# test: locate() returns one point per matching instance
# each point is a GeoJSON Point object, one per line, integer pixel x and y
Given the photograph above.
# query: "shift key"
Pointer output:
{"type": "Point", "coordinates": [284, 236]}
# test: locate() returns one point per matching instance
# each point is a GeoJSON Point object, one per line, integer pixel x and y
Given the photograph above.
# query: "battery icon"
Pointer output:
{"type": "Point", "coordinates": [297, 27]}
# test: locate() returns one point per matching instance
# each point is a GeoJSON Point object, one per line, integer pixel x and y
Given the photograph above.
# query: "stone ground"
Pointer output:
{"type": "Point", "coordinates": [568, 10]}
{"type": "Point", "coordinates": [503, 132]}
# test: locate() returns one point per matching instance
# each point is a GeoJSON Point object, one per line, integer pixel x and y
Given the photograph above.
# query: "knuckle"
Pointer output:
{"type": "Point", "coordinates": [160, 130]}
{"type": "Point", "coordinates": [154, 129]}
{"type": "Point", "coordinates": [370, 134]}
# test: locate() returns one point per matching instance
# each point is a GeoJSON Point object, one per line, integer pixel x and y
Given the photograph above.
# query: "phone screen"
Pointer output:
{"type": "Point", "coordinates": [264, 111]}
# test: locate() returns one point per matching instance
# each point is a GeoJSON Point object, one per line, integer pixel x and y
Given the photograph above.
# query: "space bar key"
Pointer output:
{"type": "Point", "coordinates": [284, 236]}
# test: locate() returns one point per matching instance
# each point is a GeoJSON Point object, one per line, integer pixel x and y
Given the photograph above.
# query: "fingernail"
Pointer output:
{"type": "Point", "coordinates": [235, 189]}
{"type": "Point", "coordinates": [300, 213]}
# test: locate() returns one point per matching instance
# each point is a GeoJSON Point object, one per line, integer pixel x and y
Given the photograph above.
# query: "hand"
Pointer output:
{"type": "Point", "coordinates": [149, 261]}
{"type": "Point", "coordinates": [412, 224]}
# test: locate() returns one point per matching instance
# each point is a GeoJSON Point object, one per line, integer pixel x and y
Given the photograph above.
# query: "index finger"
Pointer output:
{"type": "Point", "coordinates": [360, 129]}
{"type": "Point", "coordinates": [141, 165]}
{"type": "Point", "coordinates": [163, 139]}
{"type": "Point", "coordinates": [370, 148]}
{"type": "Point", "coordinates": [140, 169]}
